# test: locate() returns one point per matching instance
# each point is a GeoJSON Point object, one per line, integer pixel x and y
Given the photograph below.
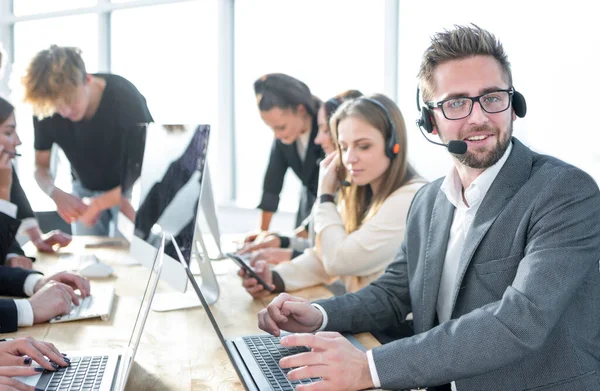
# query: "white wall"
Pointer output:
{"type": "Point", "coordinates": [553, 50]}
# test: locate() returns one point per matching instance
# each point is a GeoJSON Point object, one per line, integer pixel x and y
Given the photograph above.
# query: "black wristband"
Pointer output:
{"type": "Point", "coordinates": [284, 241]}
{"type": "Point", "coordinates": [278, 282]}
{"type": "Point", "coordinates": [326, 198]}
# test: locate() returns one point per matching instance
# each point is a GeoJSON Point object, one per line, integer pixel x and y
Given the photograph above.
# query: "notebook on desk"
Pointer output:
{"type": "Point", "coordinates": [255, 357]}
{"type": "Point", "coordinates": [100, 370]}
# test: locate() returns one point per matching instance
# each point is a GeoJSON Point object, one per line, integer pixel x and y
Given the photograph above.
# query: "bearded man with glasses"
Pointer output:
{"type": "Point", "coordinates": [499, 265]}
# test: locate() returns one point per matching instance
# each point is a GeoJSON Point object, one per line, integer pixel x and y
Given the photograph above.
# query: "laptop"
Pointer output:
{"type": "Point", "coordinates": [102, 370]}
{"type": "Point", "coordinates": [255, 357]}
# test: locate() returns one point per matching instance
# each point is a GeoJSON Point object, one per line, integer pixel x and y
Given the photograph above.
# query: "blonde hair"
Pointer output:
{"type": "Point", "coordinates": [357, 204]}
{"type": "Point", "coordinates": [456, 44]}
{"type": "Point", "coordinates": [52, 77]}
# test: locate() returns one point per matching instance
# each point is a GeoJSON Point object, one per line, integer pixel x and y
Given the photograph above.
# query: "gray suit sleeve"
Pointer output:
{"type": "Point", "coordinates": [382, 304]}
{"type": "Point", "coordinates": [562, 250]}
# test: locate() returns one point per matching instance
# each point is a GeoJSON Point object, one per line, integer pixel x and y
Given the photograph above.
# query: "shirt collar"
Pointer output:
{"type": "Point", "coordinates": [302, 142]}
{"type": "Point", "coordinates": [452, 186]}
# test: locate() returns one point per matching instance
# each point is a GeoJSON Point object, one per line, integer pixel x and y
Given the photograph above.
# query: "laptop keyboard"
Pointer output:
{"type": "Point", "coordinates": [84, 373]}
{"type": "Point", "coordinates": [267, 351]}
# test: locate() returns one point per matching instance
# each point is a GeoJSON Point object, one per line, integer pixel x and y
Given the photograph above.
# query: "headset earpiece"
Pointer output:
{"type": "Point", "coordinates": [519, 104]}
{"type": "Point", "coordinates": [425, 120]}
{"type": "Point", "coordinates": [392, 146]}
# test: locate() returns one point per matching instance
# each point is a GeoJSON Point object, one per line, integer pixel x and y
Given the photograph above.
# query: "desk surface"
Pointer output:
{"type": "Point", "coordinates": [179, 350]}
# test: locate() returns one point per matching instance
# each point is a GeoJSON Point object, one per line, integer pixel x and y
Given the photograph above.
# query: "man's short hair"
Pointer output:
{"type": "Point", "coordinates": [456, 44]}
{"type": "Point", "coordinates": [52, 78]}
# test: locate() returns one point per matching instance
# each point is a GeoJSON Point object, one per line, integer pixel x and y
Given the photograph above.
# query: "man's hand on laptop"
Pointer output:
{"type": "Point", "coordinates": [289, 313]}
{"type": "Point", "coordinates": [332, 357]}
{"type": "Point", "coordinates": [53, 299]}
{"type": "Point", "coordinates": [75, 281]}
{"type": "Point", "coordinates": [16, 357]}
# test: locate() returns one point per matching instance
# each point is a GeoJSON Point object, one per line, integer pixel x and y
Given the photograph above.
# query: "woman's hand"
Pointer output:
{"type": "Point", "coordinates": [20, 261]}
{"type": "Point", "coordinates": [21, 351]}
{"type": "Point", "coordinates": [328, 180]}
{"type": "Point", "coordinates": [47, 242]}
{"type": "Point", "coordinates": [250, 283]}
{"type": "Point", "coordinates": [269, 241]}
{"type": "Point", "coordinates": [272, 256]}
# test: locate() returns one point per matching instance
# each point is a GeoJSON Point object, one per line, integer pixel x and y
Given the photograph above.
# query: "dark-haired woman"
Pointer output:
{"type": "Point", "coordinates": [288, 107]}
{"type": "Point", "coordinates": [275, 248]}
{"type": "Point", "coordinates": [9, 139]}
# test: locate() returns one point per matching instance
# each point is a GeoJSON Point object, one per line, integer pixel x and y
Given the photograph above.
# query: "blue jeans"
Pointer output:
{"type": "Point", "coordinates": [107, 222]}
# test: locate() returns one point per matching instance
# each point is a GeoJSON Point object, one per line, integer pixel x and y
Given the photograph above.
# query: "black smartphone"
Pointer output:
{"type": "Point", "coordinates": [249, 270]}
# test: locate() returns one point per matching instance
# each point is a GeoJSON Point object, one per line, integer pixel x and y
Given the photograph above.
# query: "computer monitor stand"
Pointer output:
{"type": "Point", "coordinates": [209, 285]}
{"type": "Point", "coordinates": [189, 299]}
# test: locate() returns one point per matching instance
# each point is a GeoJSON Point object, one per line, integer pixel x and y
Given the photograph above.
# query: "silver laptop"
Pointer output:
{"type": "Point", "coordinates": [102, 370]}
{"type": "Point", "coordinates": [255, 357]}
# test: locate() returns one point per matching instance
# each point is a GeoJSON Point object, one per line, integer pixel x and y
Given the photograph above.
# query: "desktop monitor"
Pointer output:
{"type": "Point", "coordinates": [168, 185]}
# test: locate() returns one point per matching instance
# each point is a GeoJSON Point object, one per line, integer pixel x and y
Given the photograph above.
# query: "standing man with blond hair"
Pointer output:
{"type": "Point", "coordinates": [499, 265]}
{"type": "Point", "coordinates": [87, 115]}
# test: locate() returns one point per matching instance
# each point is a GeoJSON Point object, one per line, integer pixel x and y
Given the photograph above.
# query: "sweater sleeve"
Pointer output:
{"type": "Point", "coordinates": [370, 248]}
{"type": "Point", "coordinates": [303, 271]}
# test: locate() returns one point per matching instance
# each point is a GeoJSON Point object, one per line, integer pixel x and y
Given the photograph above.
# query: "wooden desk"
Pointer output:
{"type": "Point", "coordinates": [179, 350]}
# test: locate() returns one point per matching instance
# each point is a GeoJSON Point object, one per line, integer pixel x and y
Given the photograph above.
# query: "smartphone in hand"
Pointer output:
{"type": "Point", "coordinates": [249, 270]}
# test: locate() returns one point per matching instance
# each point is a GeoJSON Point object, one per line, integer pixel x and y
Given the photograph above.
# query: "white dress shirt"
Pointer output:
{"type": "Point", "coordinates": [24, 310]}
{"type": "Point", "coordinates": [302, 144]}
{"type": "Point", "coordinates": [463, 218]}
{"type": "Point", "coordinates": [461, 223]}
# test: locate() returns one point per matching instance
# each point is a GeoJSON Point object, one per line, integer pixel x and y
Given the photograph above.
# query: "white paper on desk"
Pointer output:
{"type": "Point", "coordinates": [127, 260]}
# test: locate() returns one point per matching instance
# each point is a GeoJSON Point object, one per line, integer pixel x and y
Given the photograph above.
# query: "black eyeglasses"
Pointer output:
{"type": "Point", "coordinates": [459, 108]}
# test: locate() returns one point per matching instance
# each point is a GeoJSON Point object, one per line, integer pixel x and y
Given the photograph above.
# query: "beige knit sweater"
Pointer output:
{"type": "Point", "coordinates": [357, 258]}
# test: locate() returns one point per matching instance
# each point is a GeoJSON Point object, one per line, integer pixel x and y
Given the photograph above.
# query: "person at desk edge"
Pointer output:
{"type": "Point", "coordinates": [16, 257]}
{"type": "Point", "coordinates": [288, 107]}
{"type": "Point", "coordinates": [87, 115]}
{"type": "Point", "coordinates": [499, 265]}
{"type": "Point", "coordinates": [50, 296]}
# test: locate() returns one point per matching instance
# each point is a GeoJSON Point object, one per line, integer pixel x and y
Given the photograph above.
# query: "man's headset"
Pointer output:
{"type": "Point", "coordinates": [458, 146]}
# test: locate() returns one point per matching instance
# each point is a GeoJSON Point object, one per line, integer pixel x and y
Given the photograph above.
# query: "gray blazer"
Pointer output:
{"type": "Point", "coordinates": [526, 312]}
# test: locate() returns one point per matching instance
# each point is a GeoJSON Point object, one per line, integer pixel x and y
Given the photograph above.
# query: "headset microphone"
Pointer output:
{"type": "Point", "coordinates": [456, 147]}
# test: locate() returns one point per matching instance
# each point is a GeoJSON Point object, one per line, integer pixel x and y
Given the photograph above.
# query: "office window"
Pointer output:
{"type": "Point", "coordinates": [170, 53]}
{"type": "Point", "coordinates": [28, 7]}
{"type": "Point", "coordinates": [31, 37]}
{"type": "Point", "coordinates": [330, 45]}
{"type": "Point", "coordinates": [550, 63]}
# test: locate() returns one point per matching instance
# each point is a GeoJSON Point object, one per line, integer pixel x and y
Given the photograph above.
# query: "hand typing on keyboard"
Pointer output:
{"type": "Point", "coordinates": [54, 295]}
{"type": "Point", "coordinates": [16, 357]}
{"type": "Point", "coordinates": [333, 358]}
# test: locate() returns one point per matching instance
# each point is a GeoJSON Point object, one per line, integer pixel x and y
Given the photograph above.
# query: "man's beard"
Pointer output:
{"type": "Point", "coordinates": [475, 160]}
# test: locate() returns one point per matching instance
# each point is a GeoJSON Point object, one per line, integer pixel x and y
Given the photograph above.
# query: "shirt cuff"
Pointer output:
{"type": "Point", "coordinates": [26, 224]}
{"type": "Point", "coordinates": [8, 208]}
{"type": "Point", "coordinates": [11, 255]}
{"type": "Point", "coordinates": [325, 318]}
{"type": "Point", "coordinates": [373, 370]}
{"type": "Point", "coordinates": [24, 313]}
{"type": "Point", "coordinates": [30, 282]}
